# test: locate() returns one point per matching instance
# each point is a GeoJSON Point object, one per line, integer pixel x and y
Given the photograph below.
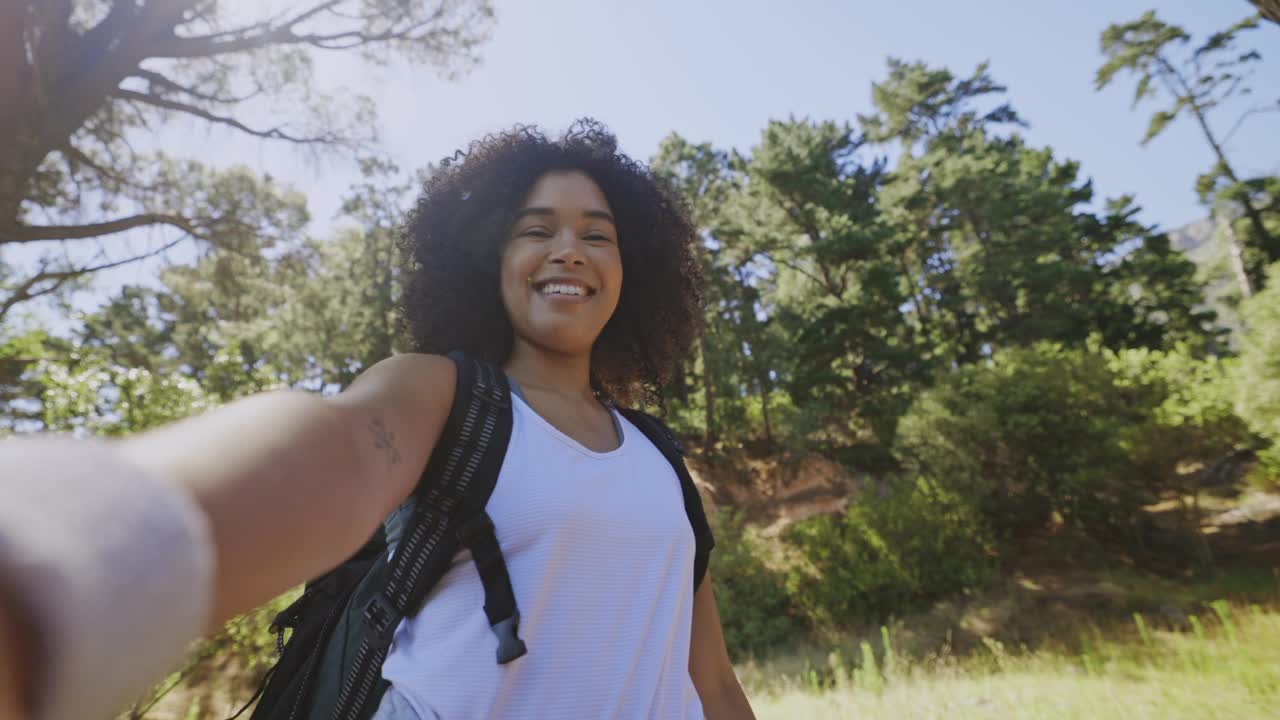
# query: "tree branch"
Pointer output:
{"type": "Point", "coordinates": [37, 233]}
{"type": "Point", "coordinates": [275, 22]}
{"type": "Point", "coordinates": [263, 34]}
{"type": "Point", "coordinates": [308, 14]}
{"type": "Point", "coordinates": [1260, 110]}
{"type": "Point", "coordinates": [156, 80]}
{"type": "Point", "coordinates": [76, 156]}
{"type": "Point", "coordinates": [797, 216]}
{"type": "Point", "coordinates": [166, 104]}
{"type": "Point", "coordinates": [57, 278]}
{"type": "Point", "coordinates": [252, 37]}
{"type": "Point", "coordinates": [820, 282]}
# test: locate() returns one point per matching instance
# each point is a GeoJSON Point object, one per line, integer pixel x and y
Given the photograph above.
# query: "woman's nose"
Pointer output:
{"type": "Point", "coordinates": [566, 250]}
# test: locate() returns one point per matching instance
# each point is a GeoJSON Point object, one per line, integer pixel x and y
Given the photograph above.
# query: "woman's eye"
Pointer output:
{"type": "Point", "coordinates": [537, 232]}
{"type": "Point", "coordinates": [597, 237]}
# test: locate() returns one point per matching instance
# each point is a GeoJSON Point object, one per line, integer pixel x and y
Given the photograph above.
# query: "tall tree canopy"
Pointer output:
{"type": "Point", "coordinates": [1197, 82]}
{"type": "Point", "coordinates": [847, 283]}
{"type": "Point", "coordinates": [298, 312]}
{"type": "Point", "coordinates": [80, 80]}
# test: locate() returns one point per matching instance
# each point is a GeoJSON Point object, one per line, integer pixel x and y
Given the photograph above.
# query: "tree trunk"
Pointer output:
{"type": "Point", "coordinates": [386, 289]}
{"type": "Point", "coordinates": [681, 381]}
{"type": "Point", "coordinates": [58, 81]}
{"type": "Point", "coordinates": [1270, 9]}
{"type": "Point", "coordinates": [1263, 238]}
{"type": "Point", "coordinates": [1202, 554]}
{"type": "Point", "coordinates": [766, 386]}
{"type": "Point", "coordinates": [1237, 261]}
{"type": "Point", "coordinates": [15, 94]}
{"type": "Point", "coordinates": [708, 393]}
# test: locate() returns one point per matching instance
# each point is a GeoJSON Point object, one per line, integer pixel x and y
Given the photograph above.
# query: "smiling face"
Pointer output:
{"type": "Point", "coordinates": [561, 267]}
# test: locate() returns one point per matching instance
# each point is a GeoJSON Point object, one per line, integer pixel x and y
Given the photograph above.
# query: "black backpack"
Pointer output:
{"type": "Point", "coordinates": [342, 625]}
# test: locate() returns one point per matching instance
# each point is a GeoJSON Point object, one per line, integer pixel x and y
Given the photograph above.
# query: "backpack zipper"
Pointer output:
{"type": "Point", "coordinates": [311, 658]}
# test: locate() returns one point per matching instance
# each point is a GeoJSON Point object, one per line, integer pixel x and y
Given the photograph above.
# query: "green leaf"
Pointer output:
{"type": "Point", "coordinates": [1159, 122]}
{"type": "Point", "coordinates": [1143, 90]}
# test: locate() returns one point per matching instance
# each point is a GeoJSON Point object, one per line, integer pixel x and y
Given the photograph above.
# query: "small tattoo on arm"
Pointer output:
{"type": "Point", "coordinates": [384, 439]}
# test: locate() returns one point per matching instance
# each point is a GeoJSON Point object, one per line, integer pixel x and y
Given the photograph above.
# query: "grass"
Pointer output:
{"type": "Point", "coordinates": [1224, 664]}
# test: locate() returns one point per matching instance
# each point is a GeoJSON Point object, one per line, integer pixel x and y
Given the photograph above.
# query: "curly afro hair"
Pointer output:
{"type": "Point", "coordinates": [456, 233]}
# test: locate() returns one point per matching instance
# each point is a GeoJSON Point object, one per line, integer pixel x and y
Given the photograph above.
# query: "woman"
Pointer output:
{"type": "Point", "coordinates": [521, 246]}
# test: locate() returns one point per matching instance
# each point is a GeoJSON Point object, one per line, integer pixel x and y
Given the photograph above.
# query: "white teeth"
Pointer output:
{"type": "Point", "coordinates": [563, 289]}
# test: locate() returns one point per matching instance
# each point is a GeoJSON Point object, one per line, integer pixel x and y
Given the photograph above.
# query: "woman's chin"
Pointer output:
{"type": "Point", "coordinates": [561, 340]}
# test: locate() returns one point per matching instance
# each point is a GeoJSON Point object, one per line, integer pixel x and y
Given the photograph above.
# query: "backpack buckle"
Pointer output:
{"type": "Point", "coordinates": [510, 646]}
{"type": "Point", "coordinates": [381, 618]}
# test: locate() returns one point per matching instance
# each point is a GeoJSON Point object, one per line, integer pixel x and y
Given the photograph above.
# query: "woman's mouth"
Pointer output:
{"type": "Point", "coordinates": [564, 291]}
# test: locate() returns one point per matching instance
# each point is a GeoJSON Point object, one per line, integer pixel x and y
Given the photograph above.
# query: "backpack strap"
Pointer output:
{"type": "Point", "coordinates": [476, 532]}
{"type": "Point", "coordinates": [459, 478]}
{"type": "Point", "coordinates": [499, 598]}
{"type": "Point", "coordinates": [671, 448]}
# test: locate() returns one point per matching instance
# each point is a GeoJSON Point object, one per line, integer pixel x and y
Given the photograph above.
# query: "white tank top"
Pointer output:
{"type": "Point", "coordinates": [600, 554]}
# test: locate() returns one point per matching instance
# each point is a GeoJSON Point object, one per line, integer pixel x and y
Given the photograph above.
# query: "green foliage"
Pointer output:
{"type": "Point", "coordinates": [1229, 670]}
{"type": "Point", "coordinates": [230, 662]}
{"type": "Point", "coordinates": [817, 303]}
{"type": "Point", "coordinates": [244, 69]}
{"type": "Point", "coordinates": [1191, 422]}
{"type": "Point", "coordinates": [1257, 376]}
{"type": "Point", "coordinates": [85, 390]}
{"type": "Point", "coordinates": [274, 311]}
{"type": "Point", "coordinates": [1196, 83]}
{"type": "Point", "coordinates": [20, 351]}
{"type": "Point", "coordinates": [839, 287]}
{"type": "Point", "coordinates": [1086, 433]}
{"type": "Point", "coordinates": [888, 554]}
{"type": "Point", "coordinates": [706, 392]}
{"type": "Point", "coordinates": [1159, 121]}
{"type": "Point", "coordinates": [1031, 432]}
{"type": "Point", "coordinates": [995, 246]}
{"type": "Point", "coordinates": [755, 610]}
{"type": "Point", "coordinates": [919, 102]}
{"type": "Point", "coordinates": [246, 639]}
{"type": "Point", "coordinates": [106, 399]}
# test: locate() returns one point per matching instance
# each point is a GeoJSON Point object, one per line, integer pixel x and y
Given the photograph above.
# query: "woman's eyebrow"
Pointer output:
{"type": "Point", "coordinates": [546, 211]}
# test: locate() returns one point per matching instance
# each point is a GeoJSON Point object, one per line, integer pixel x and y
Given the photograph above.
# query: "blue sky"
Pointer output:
{"type": "Point", "coordinates": [719, 71]}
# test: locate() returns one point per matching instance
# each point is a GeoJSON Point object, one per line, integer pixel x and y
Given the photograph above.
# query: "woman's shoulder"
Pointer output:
{"type": "Point", "coordinates": [415, 366]}
{"type": "Point", "coordinates": [418, 381]}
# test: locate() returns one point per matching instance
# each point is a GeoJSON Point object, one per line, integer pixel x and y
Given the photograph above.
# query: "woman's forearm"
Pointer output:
{"type": "Point", "coordinates": [284, 481]}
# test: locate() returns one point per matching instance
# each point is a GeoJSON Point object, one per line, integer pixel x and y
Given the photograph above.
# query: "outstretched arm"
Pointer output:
{"type": "Point", "coordinates": [286, 484]}
{"type": "Point", "coordinates": [292, 483]}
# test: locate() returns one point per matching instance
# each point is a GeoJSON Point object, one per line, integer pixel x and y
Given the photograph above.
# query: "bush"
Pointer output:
{"type": "Point", "coordinates": [1034, 431]}
{"type": "Point", "coordinates": [1191, 420]}
{"type": "Point", "coordinates": [107, 399]}
{"type": "Point", "coordinates": [755, 610]}
{"type": "Point", "coordinates": [887, 555]}
{"type": "Point", "coordinates": [1089, 434]}
{"type": "Point", "coordinates": [1257, 376]}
